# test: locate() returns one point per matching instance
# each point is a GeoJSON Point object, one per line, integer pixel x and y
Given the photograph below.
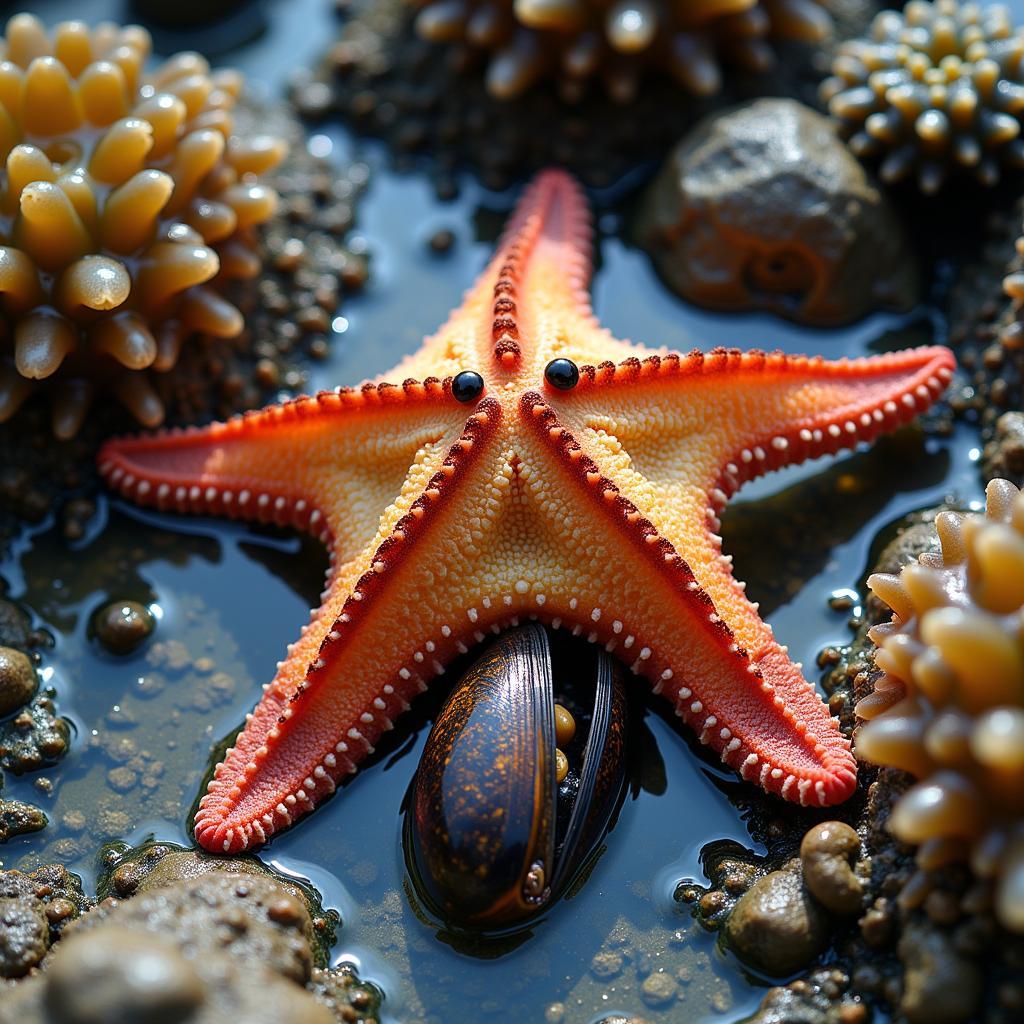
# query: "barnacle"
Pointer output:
{"type": "Point", "coordinates": [949, 705]}
{"type": "Point", "coordinates": [575, 40]}
{"type": "Point", "coordinates": [936, 90]}
{"type": "Point", "coordinates": [125, 201]}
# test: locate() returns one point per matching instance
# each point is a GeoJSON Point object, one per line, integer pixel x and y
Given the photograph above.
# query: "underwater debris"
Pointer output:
{"type": "Point", "coordinates": [784, 220]}
{"type": "Point", "coordinates": [934, 91]}
{"type": "Point", "coordinates": [948, 706]}
{"type": "Point", "coordinates": [617, 41]}
{"type": "Point", "coordinates": [127, 204]}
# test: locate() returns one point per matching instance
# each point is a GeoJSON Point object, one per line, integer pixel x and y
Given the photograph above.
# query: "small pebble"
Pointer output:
{"type": "Point", "coordinates": [122, 626]}
{"type": "Point", "coordinates": [17, 680]}
{"type": "Point", "coordinates": [442, 241]}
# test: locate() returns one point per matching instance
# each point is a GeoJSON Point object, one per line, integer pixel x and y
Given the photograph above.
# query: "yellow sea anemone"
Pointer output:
{"type": "Point", "coordinates": [576, 40]}
{"type": "Point", "coordinates": [124, 200]}
{"type": "Point", "coordinates": [949, 706]}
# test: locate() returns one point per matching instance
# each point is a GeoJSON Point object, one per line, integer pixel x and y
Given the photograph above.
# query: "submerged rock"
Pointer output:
{"type": "Point", "coordinates": [17, 819]}
{"type": "Point", "coordinates": [763, 207]}
{"type": "Point", "coordinates": [121, 626]}
{"type": "Point", "coordinates": [36, 737]}
{"type": "Point", "coordinates": [777, 927]}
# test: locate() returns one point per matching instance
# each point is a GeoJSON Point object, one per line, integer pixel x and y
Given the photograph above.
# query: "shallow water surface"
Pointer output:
{"type": "Point", "coordinates": [229, 598]}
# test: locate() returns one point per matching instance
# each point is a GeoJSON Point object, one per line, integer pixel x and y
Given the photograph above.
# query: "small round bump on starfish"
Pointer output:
{"type": "Point", "coordinates": [562, 373]}
{"type": "Point", "coordinates": [467, 386]}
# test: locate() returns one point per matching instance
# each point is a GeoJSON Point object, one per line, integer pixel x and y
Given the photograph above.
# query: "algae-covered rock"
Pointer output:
{"type": "Point", "coordinates": [763, 207]}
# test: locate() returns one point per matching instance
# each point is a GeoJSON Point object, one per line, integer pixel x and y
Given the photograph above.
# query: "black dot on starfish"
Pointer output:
{"type": "Point", "coordinates": [467, 386]}
{"type": "Point", "coordinates": [563, 374]}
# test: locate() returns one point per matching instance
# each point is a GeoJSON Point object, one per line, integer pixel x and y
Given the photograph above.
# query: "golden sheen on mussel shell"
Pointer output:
{"type": "Point", "coordinates": [491, 837]}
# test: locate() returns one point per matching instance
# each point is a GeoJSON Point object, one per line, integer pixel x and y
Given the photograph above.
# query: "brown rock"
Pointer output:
{"type": "Point", "coordinates": [764, 207]}
{"type": "Point", "coordinates": [776, 926]}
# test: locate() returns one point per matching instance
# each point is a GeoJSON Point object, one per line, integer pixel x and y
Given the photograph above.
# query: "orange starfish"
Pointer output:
{"type": "Point", "coordinates": [529, 466]}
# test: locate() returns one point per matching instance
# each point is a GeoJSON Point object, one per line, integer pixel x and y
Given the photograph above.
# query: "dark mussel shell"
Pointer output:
{"type": "Point", "coordinates": [490, 835]}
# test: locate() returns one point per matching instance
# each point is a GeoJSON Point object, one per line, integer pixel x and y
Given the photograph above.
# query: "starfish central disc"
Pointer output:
{"type": "Point", "coordinates": [592, 508]}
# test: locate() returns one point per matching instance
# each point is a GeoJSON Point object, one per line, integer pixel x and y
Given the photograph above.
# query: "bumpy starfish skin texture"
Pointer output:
{"type": "Point", "coordinates": [593, 509]}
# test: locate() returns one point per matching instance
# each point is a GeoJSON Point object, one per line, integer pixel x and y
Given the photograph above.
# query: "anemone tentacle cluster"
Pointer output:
{"type": "Point", "coordinates": [575, 40]}
{"type": "Point", "coordinates": [935, 91]}
{"type": "Point", "coordinates": [949, 705]}
{"type": "Point", "coordinates": [125, 200]}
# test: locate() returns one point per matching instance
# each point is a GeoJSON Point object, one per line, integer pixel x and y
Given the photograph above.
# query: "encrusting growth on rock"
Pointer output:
{"type": "Point", "coordinates": [949, 705]}
{"type": "Point", "coordinates": [617, 40]}
{"type": "Point", "coordinates": [124, 200]}
{"type": "Point", "coordinates": [935, 91]}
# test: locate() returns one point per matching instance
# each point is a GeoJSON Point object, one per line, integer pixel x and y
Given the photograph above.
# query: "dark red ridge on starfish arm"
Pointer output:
{"type": "Point", "coordinates": [812, 762]}
{"type": "Point", "coordinates": [295, 748]}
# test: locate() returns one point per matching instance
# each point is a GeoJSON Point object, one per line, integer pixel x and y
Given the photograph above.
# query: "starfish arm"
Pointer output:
{"type": "Point", "coordinates": [361, 667]}
{"type": "Point", "coordinates": [683, 433]}
{"type": "Point", "coordinates": [753, 707]}
{"type": "Point", "coordinates": [327, 464]}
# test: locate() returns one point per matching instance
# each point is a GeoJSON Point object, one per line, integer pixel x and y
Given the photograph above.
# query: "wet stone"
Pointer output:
{"type": "Point", "coordinates": [24, 935]}
{"type": "Point", "coordinates": [659, 989]}
{"type": "Point", "coordinates": [827, 853]}
{"type": "Point", "coordinates": [764, 207]}
{"type": "Point", "coordinates": [777, 926]}
{"type": "Point", "coordinates": [348, 998]}
{"type": "Point", "coordinates": [18, 681]}
{"type": "Point", "coordinates": [607, 964]}
{"type": "Point", "coordinates": [34, 738]}
{"type": "Point", "coordinates": [122, 626]}
{"type": "Point", "coordinates": [441, 241]}
{"type": "Point", "coordinates": [122, 977]}
{"type": "Point", "coordinates": [17, 818]}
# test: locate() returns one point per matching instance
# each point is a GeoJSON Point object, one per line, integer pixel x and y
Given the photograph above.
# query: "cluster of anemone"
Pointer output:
{"type": "Point", "coordinates": [617, 40]}
{"type": "Point", "coordinates": [125, 205]}
{"type": "Point", "coordinates": [949, 704]}
{"type": "Point", "coordinates": [934, 92]}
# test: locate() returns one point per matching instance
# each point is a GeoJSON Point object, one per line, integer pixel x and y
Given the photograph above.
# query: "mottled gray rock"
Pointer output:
{"type": "Point", "coordinates": [764, 207]}
{"type": "Point", "coordinates": [776, 926]}
{"type": "Point", "coordinates": [939, 985]}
